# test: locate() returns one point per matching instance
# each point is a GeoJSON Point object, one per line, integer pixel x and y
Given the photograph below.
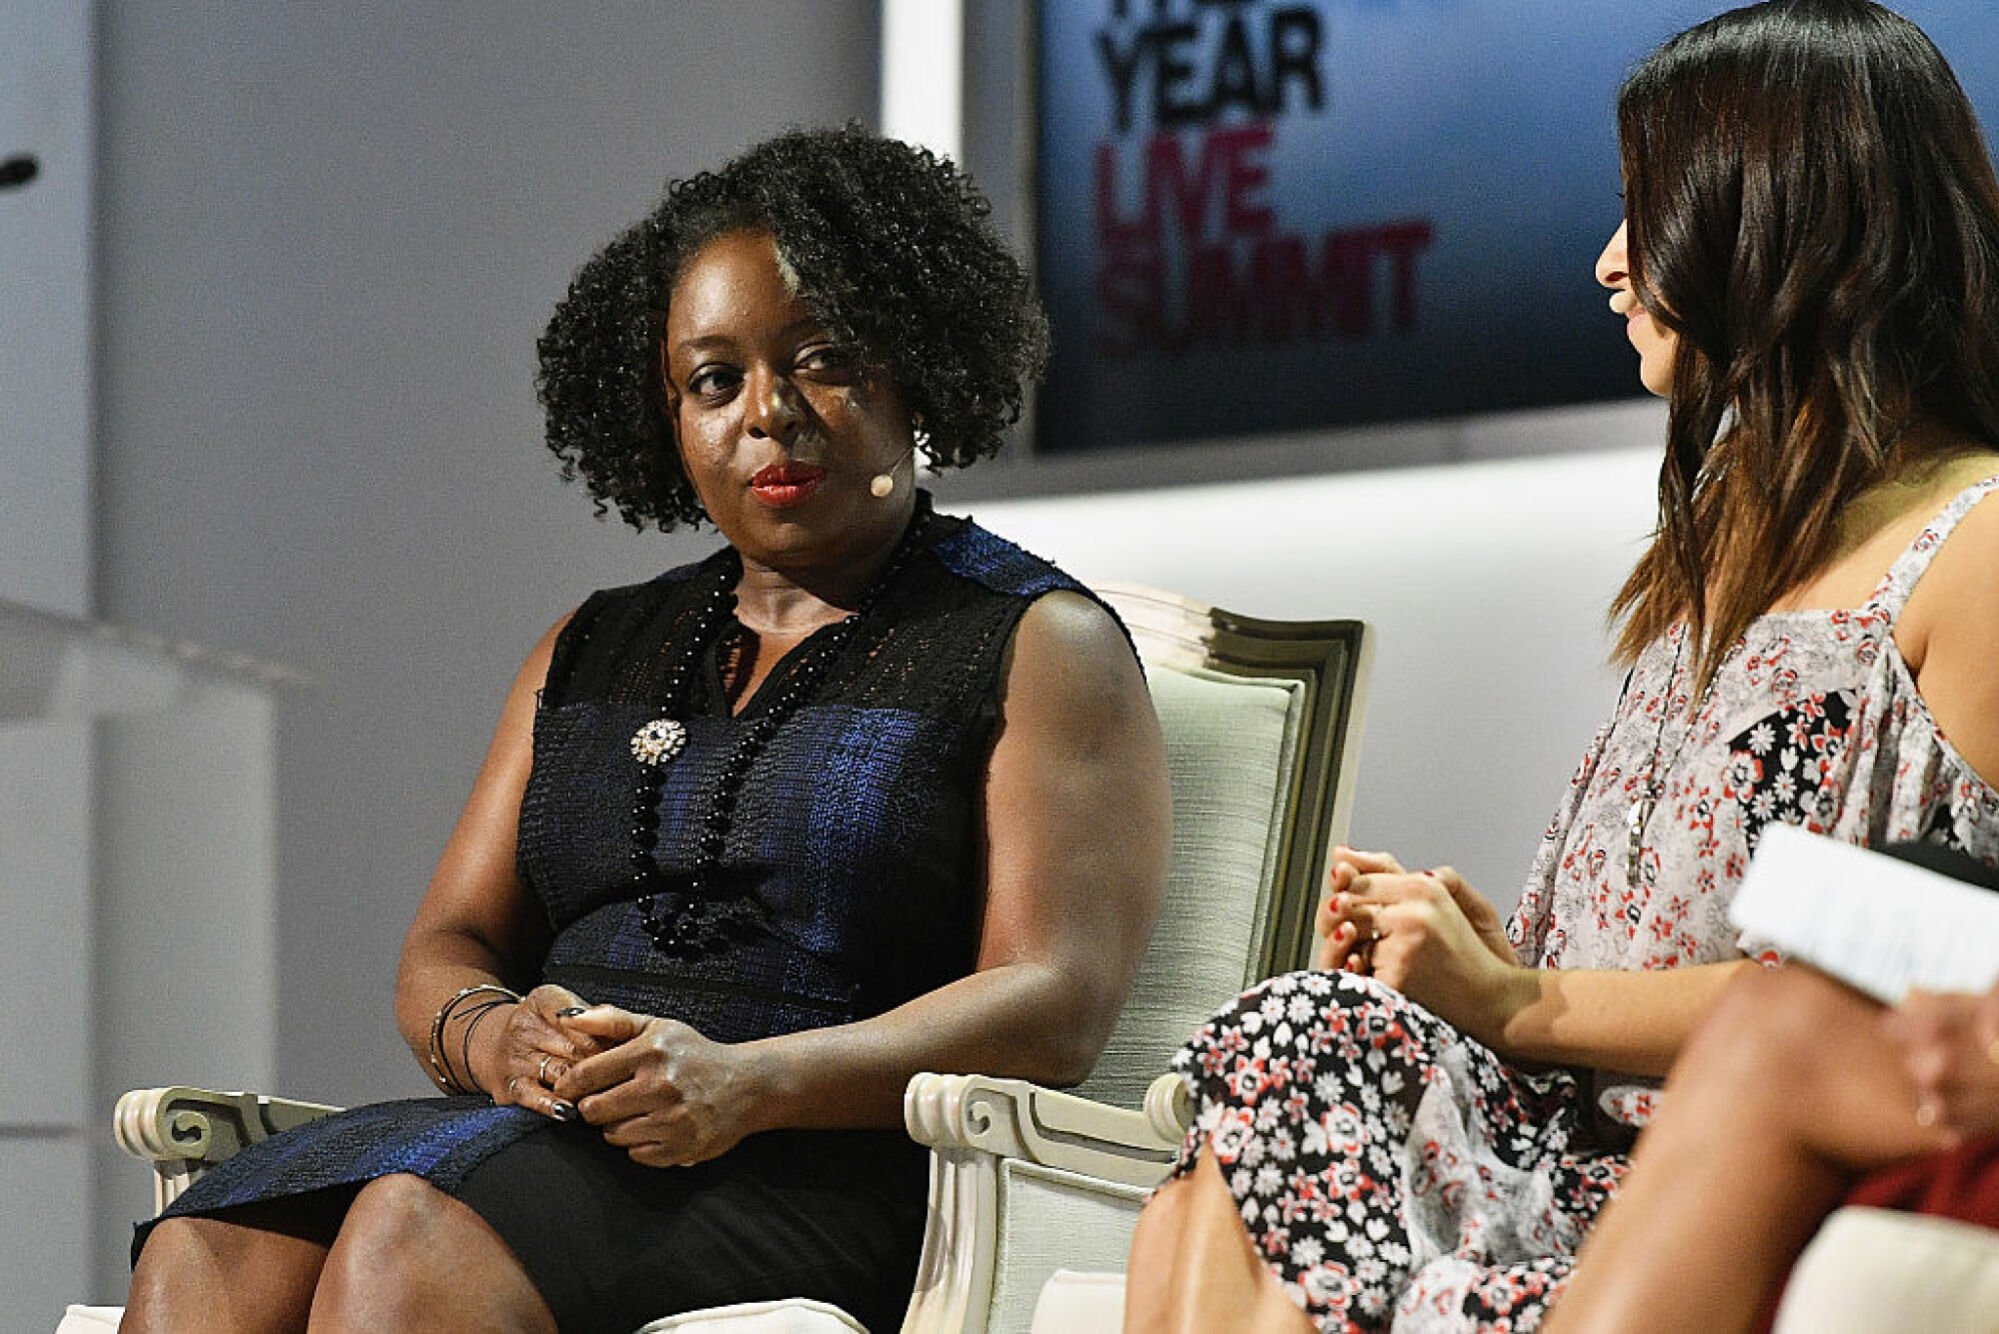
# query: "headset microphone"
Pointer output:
{"type": "Point", "coordinates": [882, 485]}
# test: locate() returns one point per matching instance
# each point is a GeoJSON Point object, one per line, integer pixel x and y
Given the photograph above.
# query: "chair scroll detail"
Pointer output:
{"type": "Point", "coordinates": [184, 1131]}
{"type": "Point", "coordinates": [980, 1130]}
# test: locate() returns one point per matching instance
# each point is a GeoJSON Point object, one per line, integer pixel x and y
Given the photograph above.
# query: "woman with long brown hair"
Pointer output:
{"type": "Point", "coordinates": [1422, 1134]}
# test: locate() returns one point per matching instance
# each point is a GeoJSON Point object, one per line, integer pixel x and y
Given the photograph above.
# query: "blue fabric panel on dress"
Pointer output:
{"type": "Point", "coordinates": [858, 778]}
{"type": "Point", "coordinates": [851, 835]}
{"type": "Point", "coordinates": [976, 554]}
{"type": "Point", "coordinates": [439, 1139]}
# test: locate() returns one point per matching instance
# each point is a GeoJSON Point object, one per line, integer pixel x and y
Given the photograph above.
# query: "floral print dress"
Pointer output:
{"type": "Point", "coordinates": [1393, 1172]}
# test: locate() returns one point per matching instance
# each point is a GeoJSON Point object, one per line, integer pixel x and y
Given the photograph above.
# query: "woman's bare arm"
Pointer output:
{"type": "Point", "coordinates": [1949, 634]}
{"type": "Point", "coordinates": [477, 925]}
{"type": "Point", "coordinates": [1633, 1021]}
{"type": "Point", "coordinates": [1439, 942]}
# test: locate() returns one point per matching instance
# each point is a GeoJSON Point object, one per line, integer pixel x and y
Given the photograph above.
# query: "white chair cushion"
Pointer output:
{"type": "Point", "coordinates": [1074, 1302]}
{"type": "Point", "coordinates": [1055, 1219]}
{"type": "Point", "coordinates": [1229, 745]}
{"type": "Point", "coordinates": [798, 1315]}
{"type": "Point", "coordinates": [1877, 1271]}
{"type": "Point", "coordinates": [90, 1319]}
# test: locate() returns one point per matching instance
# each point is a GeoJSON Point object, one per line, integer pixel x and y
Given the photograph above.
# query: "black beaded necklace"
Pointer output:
{"type": "Point", "coordinates": [688, 918]}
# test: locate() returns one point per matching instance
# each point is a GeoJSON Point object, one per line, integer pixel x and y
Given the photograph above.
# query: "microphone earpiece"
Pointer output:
{"type": "Point", "coordinates": [882, 485]}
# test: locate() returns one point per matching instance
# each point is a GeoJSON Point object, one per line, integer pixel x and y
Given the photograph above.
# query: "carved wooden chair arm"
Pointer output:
{"type": "Point", "coordinates": [977, 1127]}
{"type": "Point", "coordinates": [184, 1131]}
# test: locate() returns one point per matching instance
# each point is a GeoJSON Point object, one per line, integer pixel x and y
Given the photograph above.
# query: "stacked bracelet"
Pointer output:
{"type": "Point", "coordinates": [445, 1077]}
{"type": "Point", "coordinates": [473, 1014]}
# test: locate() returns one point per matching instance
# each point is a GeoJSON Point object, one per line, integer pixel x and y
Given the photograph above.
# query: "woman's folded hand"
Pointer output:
{"type": "Point", "coordinates": [518, 1051]}
{"type": "Point", "coordinates": [659, 1090]}
{"type": "Point", "coordinates": [1950, 1048]}
{"type": "Point", "coordinates": [1349, 947]}
{"type": "Point", "coordinates": [1428, 934]}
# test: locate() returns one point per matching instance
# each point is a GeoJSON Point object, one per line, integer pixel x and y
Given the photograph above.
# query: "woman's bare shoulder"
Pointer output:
{"type": "Point", "coordinates": [1070, 648]}
{"type": "Point", "coordinates": [1960, 579]}
{"type": "Point", "coordinates": [1949, 633]}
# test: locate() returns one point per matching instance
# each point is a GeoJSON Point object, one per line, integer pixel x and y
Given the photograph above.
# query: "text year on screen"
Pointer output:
{"type": "Point", "coordinates": [1254, 67]}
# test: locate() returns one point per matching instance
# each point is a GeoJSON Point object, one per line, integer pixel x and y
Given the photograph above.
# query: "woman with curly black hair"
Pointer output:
{"type": "Point", "coordinates": [869, 791]}
{"type": "Point", "coordinates": [894, 251]}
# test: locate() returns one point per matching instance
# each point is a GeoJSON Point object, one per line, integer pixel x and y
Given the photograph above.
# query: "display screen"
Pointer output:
{"type": "Point", "coordinates": [1265, 216]}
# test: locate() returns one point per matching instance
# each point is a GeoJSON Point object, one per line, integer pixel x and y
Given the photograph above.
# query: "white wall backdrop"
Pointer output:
{"type": "Point", "coordinates": [47, 1123]}
{"type": "Point", "coordinates": [1485, 585]}
{"type": "Point", "coordinates": [45, 238]}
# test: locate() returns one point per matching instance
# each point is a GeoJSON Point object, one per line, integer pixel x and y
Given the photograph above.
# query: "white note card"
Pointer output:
{"type": "Point", "coordinates": [1878, 923]}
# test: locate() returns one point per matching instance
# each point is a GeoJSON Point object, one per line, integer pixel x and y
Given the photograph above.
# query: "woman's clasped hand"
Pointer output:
{"type": "Point", "coordinates": [1949, 1046]}
{"type": "Point", "coordinates": [1426, 933]}
{"type": "Point", "coordinates": [659, 1090]}
{"type": "Point", "coordinates": [517, 1065]}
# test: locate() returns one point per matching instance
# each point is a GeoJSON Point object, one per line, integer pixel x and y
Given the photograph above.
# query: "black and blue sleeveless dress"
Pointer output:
{"type": "Point", "coordinates": [853, 852]}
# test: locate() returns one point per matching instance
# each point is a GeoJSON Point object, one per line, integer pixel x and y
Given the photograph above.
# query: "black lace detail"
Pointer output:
{"type": "Point", "coordinates": [617, 647]}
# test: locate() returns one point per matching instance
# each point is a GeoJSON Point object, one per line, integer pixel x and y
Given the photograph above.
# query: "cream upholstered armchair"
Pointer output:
{"type": "Point", "coordinates": [1260, 725]}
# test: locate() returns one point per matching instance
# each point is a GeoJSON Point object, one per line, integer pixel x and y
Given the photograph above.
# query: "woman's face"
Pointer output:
{"type": "Point", "coordinates": [780, 428]}
{"type": "Point", "coordinates": [1654, 342]}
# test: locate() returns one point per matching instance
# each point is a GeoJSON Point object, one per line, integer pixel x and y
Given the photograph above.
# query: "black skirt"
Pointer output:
{"type": "Point", "coordinates": [610, 1245]}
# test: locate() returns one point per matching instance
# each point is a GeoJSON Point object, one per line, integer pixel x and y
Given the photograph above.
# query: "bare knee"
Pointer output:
{"type": "Point", "coordinates": [387, 1242]}
{"type": "Point", "coordinates": [410, 1256]}
{"type": "Point", "coordinates": [390, 1215]}
{"type": "Point", "coordinates": [169, 1266]}
{"type": "Point", "coordinates": [1778, 1030]}
{"type": "Point", "coordinates": [205, 1273]}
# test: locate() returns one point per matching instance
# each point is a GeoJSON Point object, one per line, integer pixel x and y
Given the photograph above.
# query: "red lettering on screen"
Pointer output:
{"type": "Point", "coordinates": [1188, 247]}
{"type": "Point", "coordinates": [1190, 256]}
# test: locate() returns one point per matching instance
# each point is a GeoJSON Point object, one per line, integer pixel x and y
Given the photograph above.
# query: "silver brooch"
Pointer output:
{"type": "Point", "coordinates": [658, 741]}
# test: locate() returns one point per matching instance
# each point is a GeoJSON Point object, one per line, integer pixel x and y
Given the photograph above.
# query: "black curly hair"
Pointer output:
{"type": "Point", "coordinates": [893, 252]}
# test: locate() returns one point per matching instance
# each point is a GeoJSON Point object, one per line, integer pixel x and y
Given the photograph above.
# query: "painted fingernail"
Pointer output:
{"type": "Point", "coordinates": [570, 1013]}
{"type": "Point", "coordinates": [564, 1111]}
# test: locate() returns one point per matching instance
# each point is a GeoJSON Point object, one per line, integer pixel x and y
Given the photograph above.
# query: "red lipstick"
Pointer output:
{"type": "Point", "coordinates": [782, 485]}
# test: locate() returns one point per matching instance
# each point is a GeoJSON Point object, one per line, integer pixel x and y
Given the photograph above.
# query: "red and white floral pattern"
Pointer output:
{"type": "Point", "coordinates": [1393, 1172]}
{"type": "Point", "coordinates": [1386, 1166]}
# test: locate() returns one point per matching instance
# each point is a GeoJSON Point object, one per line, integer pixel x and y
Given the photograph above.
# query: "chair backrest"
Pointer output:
{"type": "Point", "coordinates": [1261, 725]}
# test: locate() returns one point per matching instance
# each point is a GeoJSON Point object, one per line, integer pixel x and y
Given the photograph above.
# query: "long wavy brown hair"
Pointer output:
{"type": "Point", "coordinates": [1813, 212]}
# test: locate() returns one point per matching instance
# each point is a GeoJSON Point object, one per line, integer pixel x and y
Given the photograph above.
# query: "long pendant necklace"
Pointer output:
{"type": "Point", "coordinates": [685, 914]}
{"type": "Point", "coordinates": [1639, 817]}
